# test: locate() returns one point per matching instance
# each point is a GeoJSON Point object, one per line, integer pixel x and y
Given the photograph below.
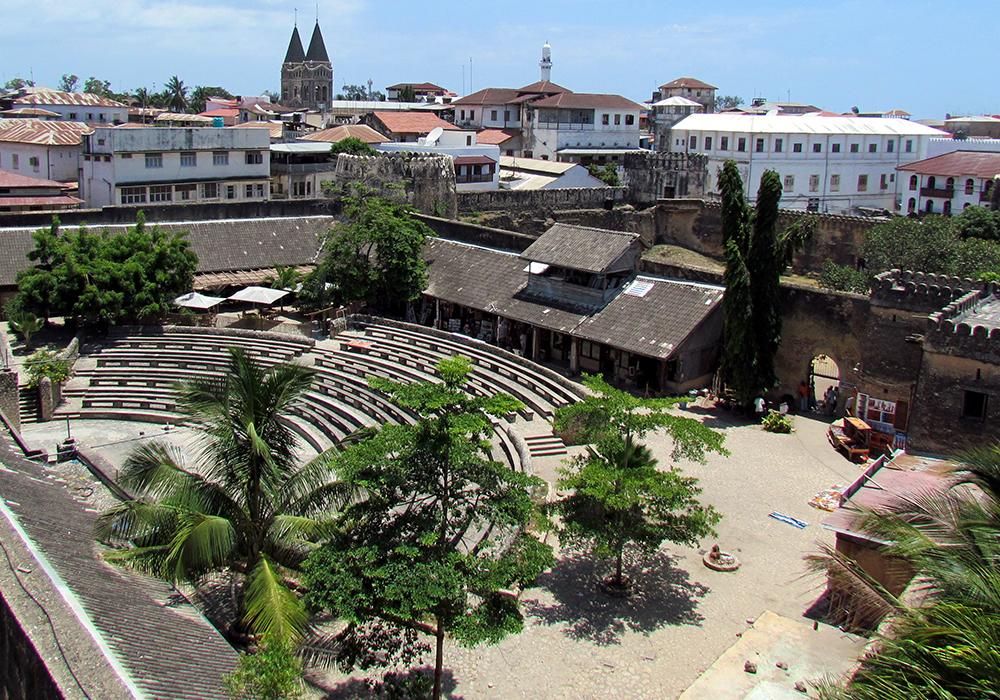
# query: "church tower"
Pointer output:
{"type": "Point", "coordinates": [546, 63]}
{"type": "Point", "coordinates": [307, 76]}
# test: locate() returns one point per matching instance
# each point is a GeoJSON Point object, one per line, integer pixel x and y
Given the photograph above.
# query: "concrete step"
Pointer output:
{"type": "Point", "coordinates": [545, 445]}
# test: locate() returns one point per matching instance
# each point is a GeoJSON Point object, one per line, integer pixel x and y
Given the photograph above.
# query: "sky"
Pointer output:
{"type": "Point", "coordinates": [926, 58]}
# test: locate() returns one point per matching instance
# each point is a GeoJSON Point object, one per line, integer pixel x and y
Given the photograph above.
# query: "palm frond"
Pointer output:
{"type": "Point", "coordinates": [870, 602]}
{"type": "Point", "coordinates": [272, 609]}
{"type": "Point", "coordinates": [201, 543]}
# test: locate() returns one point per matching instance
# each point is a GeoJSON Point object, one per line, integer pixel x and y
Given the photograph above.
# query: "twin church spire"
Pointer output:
{"type": "Point", "coordinates": [307, 76]}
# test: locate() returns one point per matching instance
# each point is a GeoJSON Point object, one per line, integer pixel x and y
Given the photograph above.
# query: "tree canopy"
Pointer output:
{"type": "Point", "coordinates": [354, 146]}
{"type": "Point", "coordinates": [608, 174]}
{"type": "Point", "coordinates": [99, 276]}
{"type": "Point", "coordinates": [728, 102]}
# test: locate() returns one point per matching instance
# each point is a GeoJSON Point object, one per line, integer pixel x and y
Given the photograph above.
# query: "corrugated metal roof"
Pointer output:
{"type": "Point", "coordinates": [43, 133]}
{"type": "Point", "coordinates": [580, 247]}
{"type": "Point", "coordinates": [798, 124]}
{"type": "Point", "coordinates": [412, 122]}
{"type": "Point", "coordinates": [958, 163]}
{"type": "Point", "coordinates": [16, 180]}
{"type": "Point", "coordinates": [55, 97]}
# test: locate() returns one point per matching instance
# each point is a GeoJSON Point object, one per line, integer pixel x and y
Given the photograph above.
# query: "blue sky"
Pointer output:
{"type": "Point", "coordinates": [927, 58]}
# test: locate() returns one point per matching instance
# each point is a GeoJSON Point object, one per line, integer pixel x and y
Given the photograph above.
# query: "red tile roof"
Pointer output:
{"type": "Point", "coordinates": [412, 122]}
{"type": "Point", "coordinates": [224, 112]}
{"type": "Point", "coordinates": [489, 96]}
{"type": "Point", "coordinates": [16, 180]}
{"type": "Point", "coordinates": [688, 83]}
{"type": "Point", "coordinates": [44, 133]}
{"type": "Point", "coordinates": [576, 100]}
{"type": "Point", "coordinates": [958, 164]}
{"type": "Point", "coordinates": [55, 97]}
{"type": "Point", "coordinates": [495, 137]}
{"type": "Point", "coordinates": [339, 133]}
{"type": "Point", "coordinates": [543, 86]}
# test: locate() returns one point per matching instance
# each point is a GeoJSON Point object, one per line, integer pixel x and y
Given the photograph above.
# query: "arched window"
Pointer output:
{"type": "Point", "coordinates": [912, 205]}
{"type": "Point", "coordinates": [965, 206]}
{"type": "Point", "coordinates": [931, 183]}
{"type": "Point", "coordinates": [970, 186]}
{"type": "Point", "coordinates": [947, 208]}
{"type": "Point", "coordinates": [929, 208]}
{"type": "Point", "coordinates": [949, 183]}
{"type": "Point", "coordinates": [914, 180]}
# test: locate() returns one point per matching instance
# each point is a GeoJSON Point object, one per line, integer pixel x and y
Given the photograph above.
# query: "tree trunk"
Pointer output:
{"type": "Point", "coordinates": [438, 661]}
{"type": "Point", "coordinates": [618, 567]}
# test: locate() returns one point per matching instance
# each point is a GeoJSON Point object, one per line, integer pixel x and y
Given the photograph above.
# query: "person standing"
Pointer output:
{"type": "Point", "coordinates": [760, 407]}
{"type": "Point", "coordinates": [803, 397]}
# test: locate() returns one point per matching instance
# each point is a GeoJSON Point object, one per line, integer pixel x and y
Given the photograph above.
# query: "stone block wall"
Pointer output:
{"type": "Point", "coordinates": [23, 674]}
{"type": "Point", "coordinates": [539, 202]}
{"type": "Point", "coordinates": [652, 176]}
{"type": "Point", "coordinates": [426, 181]}
{"type": "Point", "coordinates": [9, 401]}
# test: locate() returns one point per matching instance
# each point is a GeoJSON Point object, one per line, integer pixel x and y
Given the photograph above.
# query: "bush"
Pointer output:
{"type": "Point", "coordinates": [45, 363]}
{"type": "Point", "coordinates": [774, 422]}
{"type": "Point", "coordinates": [843, 279]}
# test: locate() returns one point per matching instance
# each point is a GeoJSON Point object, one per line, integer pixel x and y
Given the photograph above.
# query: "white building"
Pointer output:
{"type": "Point", "coordinates": [74, 106]}
{"type": "Point", "coordinates": [163, 165]}
{"type": "Point", "coordinates": [949, 183]}
{"type": "Point", "coordinates": [45, 149]}
{"type": "Point", "coordinates": [827, 164]}
{"type": "Point", "coordinates": [667, 112]}
{"type": "Point", "coordinates": [537, 174]}
{"type": "Point", "coordinates": [477, 166]}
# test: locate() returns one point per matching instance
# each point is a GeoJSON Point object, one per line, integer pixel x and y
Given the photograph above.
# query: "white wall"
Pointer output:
{"type": "Point", "coordinates": [84, 113]}
{"type": "Point", "coordinates": [938, 147]}
{"type": "Point", "coordinates": [59, 163]}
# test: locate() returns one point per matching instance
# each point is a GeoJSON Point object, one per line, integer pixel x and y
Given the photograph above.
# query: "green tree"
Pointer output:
{"type": "Point", "coordinates": [272, 672]}
{"type": "Point", "coordinates": [176, 94]}
{"type": "Point", "coordinates": [728, 102]}
{"type": "Point", "coordinates": [16, 84]}
{"type": "Point", "coordinates": [435, 533]}
{"type": "Point", "coordinates": [273, 96]}
{"type": "Point", "coordinates": [844, 279]}
{"type": "Point", "coordinates": [619, 495]}
{"type": "Point", "coordinates": [247, 506]}
{"type": "Point", "coordinates": [285, 277]}
{"type": "Point", "coordinates": [354, 146]}
{"type": "Point", "coordinates": [756, 255]}
{"type": "Point", "coordinates": [68, 83]}
{"type": "Point", "coordinates": [354, 92]}
{"type": "Point", "coordinates": [926, 244]}
{"type": "Point", "coordinates": [608, 174]}
{"type": "Point", "coordinates": [406, 94]}
{"type": "Point", "coordinates": [201, 94]}
{"type": "Point", "coordinates": [101, 88]}
{"type": "Point", "coordinates": [978, 222]}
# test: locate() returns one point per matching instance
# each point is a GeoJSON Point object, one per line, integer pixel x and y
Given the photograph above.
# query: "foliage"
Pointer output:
{"type": "Point", "coordinates": [99, 276]}
{"type": "Point", "coordinates": [273, 672]}
{"type": "Point", "coordinates": [201, 94]}
{"type": "Point", "coordinates": [176, 94]}
{"type": "Point", "coordinates": [728, 102]}
{"type": "Point", "coordinates": [273, 96]}
{"type": "Point", "coordinates": [944, 646]}
{"type": "Point", "coordinates": [978, 222]}
{"type": "Point", "coordinates": [354, 146]}
{"type": "Point", "coordinates": [774, 422]}
{"type": "Point", "coordinates": [285, 277]}
{"type": "Point", "coordinates": [16, 84]}
{"type": "Point", "coordinates": [101, 88]}
{"type": "Point", "coordinates": [406, 94]}
{"type": "Point", "coordinates": [608, 174]}
{"type": "Point", "coordinates": [45, 363]}
{"type": "Point", "coordinates": [68, 83]}
{"type": "Point", "coordinates": [375, 257]}
{"type": "Point", "coordinates": [619, 496]}
{"type": "Point", "coordinates": [21, 320]}
{"type": "Point", "coordinates": [844, 279]}
{"type": "Point", "coordinates": [361, 92]}
{"type": "Point", "coordinates": [756, 255]}
{"type": "Point", "coordinates": [434, 534]}
{"type": "Point", "coordinates": [247, 505]}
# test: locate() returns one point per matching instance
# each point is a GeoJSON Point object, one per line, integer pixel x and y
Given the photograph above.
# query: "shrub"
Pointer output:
{"type": "Point", "coordinates": [774, 422]}
{"type": "Point", "coordinates": [45, 363]}
{"type": "Point", "coordinates": [843, 279]}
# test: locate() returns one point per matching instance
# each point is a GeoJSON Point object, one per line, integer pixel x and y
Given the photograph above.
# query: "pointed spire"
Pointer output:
{"type": "Point", "coordinates": [295, 54]}
{"type": "Point", "coordinates": [317, 49]}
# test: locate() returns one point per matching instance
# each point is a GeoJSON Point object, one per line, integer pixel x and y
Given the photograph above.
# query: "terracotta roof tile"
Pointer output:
{"type": "Point", "coordinates": [688, 83]}
{"type": "Point", "coordinates": [16, 180]}
{"type": "Point", "coordinates": [578, 100]}
{"type": "Point", "coordinates": [339, 133]}
{"type": "Point", "coordinates": [41, 201]}
{"type": "Point", "coordinates": [495, 137]}
{"type": "Point", "coordinates": [412, 122]}
{"type": "Point", "coordinates": [474, 160]}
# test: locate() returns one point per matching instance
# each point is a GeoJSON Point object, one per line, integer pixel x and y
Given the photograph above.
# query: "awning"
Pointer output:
{"type": "Point", "coordinates": [194, 300]}
{"type": "Point", "coordinates": [258, 295]}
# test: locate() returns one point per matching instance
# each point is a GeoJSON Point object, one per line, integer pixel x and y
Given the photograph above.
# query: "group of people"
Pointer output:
{"type": "Point", "coordinates": [807, 398]}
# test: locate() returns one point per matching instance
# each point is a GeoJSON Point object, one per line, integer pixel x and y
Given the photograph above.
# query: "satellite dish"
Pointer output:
{"type": "Point", "coordinates": [433, 137]}
{"type": "Point", "coordinates": [771, 113]}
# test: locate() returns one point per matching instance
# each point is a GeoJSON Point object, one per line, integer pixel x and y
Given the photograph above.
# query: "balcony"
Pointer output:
{"type": "Point", "coordinates": [565, 126]}
{"type": "Point", "coordinates": [942, 193]}
{"type": "Point", "coordinates": [290, 168]}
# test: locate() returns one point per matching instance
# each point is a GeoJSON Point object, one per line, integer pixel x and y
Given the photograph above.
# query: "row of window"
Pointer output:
{"type": "Point", "coordinates": [189, 159]}
{"type": "Point", "coordinates": [629, 119]}
{"type": "Point", "coordinates": [778, 146]}
{"type": "Point", "coordinates": [970, 184]}
{"type": "Point", "coordinates": [15, 162]}
{"type": "Point", "coordinates": [814, 182]}
{"type": "Point", "coordinates": [101, 117]}
{"type": "Point", "coordinates": [186, 192]}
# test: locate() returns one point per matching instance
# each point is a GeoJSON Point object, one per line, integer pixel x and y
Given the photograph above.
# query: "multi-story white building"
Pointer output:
{"type": "Point", "coordinates": [73, 106]}
{"type": "Point", "coordinates": [950, 182]}
{"type": "Point", "coordinates": [163, 165]}
{"type": "Point", "coordinates": [45, 149]}
{"type": "Point", "coordinates": [827, 164]}
{"type": "Point", "coordinates": [477, 166]}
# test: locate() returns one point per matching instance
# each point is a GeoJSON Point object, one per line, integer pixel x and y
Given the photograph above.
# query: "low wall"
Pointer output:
{"type": "Point", "coordinates": [225, 332]}
{"type": "Point", "coordinates": [540, 200]}
{"type": "Point", "coordinates": [455, 230]}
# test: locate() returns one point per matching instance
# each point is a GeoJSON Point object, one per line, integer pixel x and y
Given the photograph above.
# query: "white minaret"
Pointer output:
{"type": "Point", "coordinates": [546, 62]}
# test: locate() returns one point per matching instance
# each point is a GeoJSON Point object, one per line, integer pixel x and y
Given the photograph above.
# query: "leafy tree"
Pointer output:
{"type": "Point", "coordinates": [435, 533]}
{"type": "Point", "coordinates": [68, 83]}
{"type": "Point", "coordinates": [608, 174]}
{"type": "Point", "coordinates": [619, 496]}
{"type": "Point", "coordinates": [101, 88]}
{"type": "Point", "coordinates": [756, 254]}
{"type": "Point", "coordinates": [406, 94]}
{"type": "Point", "coordinates": [978, 222]}
{"type": "Point", "coordinates": [273, 96]}
{"type": "Point", "coordinates": [247, 506]}
{"type": "Point", "coordinates": [844, 279]}
{"type": "Point", "coordinates": [285, 277]}
{"type": "Point", "coordinates": [176, 94]}
{"type": "Point", "coordinates": [728, 102]}
{"type": "Point", "coordinates": [272, 672]}
{"type": "Point", "coordinates": [16, 84]}
{"type": "Point", "coordinates": [926, 244]}
{"type": "Point", "coordinates": [201, 94]}
{"type": "Point", "coordinates": [354, 146]}
{"type": "Point", "coordinates": [354, 92]}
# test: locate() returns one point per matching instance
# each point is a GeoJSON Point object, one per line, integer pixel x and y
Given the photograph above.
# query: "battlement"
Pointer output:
{"type": "Point", "coordinates": [666, 161]}
{"type": "Point", "coordinates": [920, 292]}
{"type": "Point", "coordinates": [968, 326]}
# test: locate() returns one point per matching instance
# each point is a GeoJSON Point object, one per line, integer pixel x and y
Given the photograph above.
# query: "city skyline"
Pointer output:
{"type": "Point", "coordinates": [884, 55]}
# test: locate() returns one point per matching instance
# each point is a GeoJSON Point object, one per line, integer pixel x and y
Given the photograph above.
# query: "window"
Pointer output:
{"type": "Point", "coordinates": [220, 158]}
{"type": "Point", "coordinates": [724, 143]}
{"type": "Point", "coordinates": [855, 148]}
{"type": "Point", "coordinates": [133, 195]}
{"type": "Point", "coordinates": [260, 190]}
{"type": "Point", "coordinates": [189, 160]}
{"type": "Point", "coordinates": [605, 120]}
{"type": "Point", "coordinates": [759, 148]}
{"type": "Point", "coordinates": [835, 183]}
{"type": "Point", "coordinates": [100, 142]}
{"type": "Point", "coordinates": [14, 158]}
{"type": "Point", "coordinates": [914, 180]}
{"type": "Point", "coordinates": [909, 145]}
{"type": "Point", "coordinates": [883, 182]}
{"type": "Point", "coordinates": [154, 160]}
{"type": "Point", "coordinates": [862, 183]}
{"type": "Point", "coordinates": [789, 183]}
{"type": "Point", "coordinates": [493, 115]}
{"type": "Point", "coordinates": [160, 193]}
{"type": "Point", "coordinates": [72, 115]}
{"type": "Point", "coordinates": [912, 206]}
{"type": "Point", "coordinates": [252, 157]}
{"type": "Point", "coordinates": [949, 184]}
{"type": "Point", "coordinates": [835, 148]}
{"type": "Point", "coordinates": [974, 406]}
{"type": "Point", "coordinates": [185, 192]}
{"type": "Point", "coordinates": [210, 190]}
{"type": "Point", "coordinates": [629, 119]}
{"type": "Point", "coordinates": [817, 148]}
{"type": "Point", "coordinates": [506, 115]}
{"type": "Point", "coordinates": [814, 183]}
{"type": "Point", "coordinates": [873, 148]}
{"type": "Point", "coordinates": [230, 191]}
{"type": "Point", "coordinates": [462, 115]}
{"type": "Point", "coordinates": [932, 183]}
{"type": "Point", "coordinates": [618, 120]}
{"type": "Point", "coordinates": [970, 186]}
{"type": "Point", "coordinates": [708, 143]}
{"type": "Point", "coordinates": [796, 148]}
{"type": "Point", "coordinates": [694, 142]}
{"type": "Point", "coordinates": [890, 146]}
{"type": "Point", "coordinates": [128, 156]}
{"type": "Point", "coordinates": [34, 162]}
{"type": "Point", "coordinates": [930, 206]}
{"type": "Point", "coordinates": [778, 145]}
{"type": "Point", "coordinates": [248, 192]}
{"type": "Point", "coordinates": [468, 140]}
{"type": "Point", "coordinates": [741, 145]}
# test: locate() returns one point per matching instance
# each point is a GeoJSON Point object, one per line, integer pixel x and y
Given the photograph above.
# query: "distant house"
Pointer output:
{"type": "Point", "coordinates": [162, 165]}
{"type": "Point", "coordinates": [45, 149]}
{"type": "Point", "coordinates": [30, 113]}
{"type": "Point", "coordinates": [23, 193]}
{"type": "Point", "coordinates": [536, 174]}
{"type": "Point", "coordinates": [667, 112]}
{"type": "Point", "coordinates": [72, 106]}
{"type": "Point", "coordinates": [949, 183]}
{"type": "Point", "coordinates": [182, 119]}
{"type": "Point", "coordinates": [406, 126]}
{"type": "Point", "coordinates": [691, 89]}
{"type": "Point", "coordinates": [339, 133]}
{"type": "Point", "coordinates": [476, 165]}
{"type": "Point", "coordinates": [422, 92]}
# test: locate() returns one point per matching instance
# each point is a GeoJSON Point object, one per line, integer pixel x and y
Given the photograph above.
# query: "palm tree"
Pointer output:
{"type": "Point", "coordinates": [247, 506]}
{"type": "Point", "coordinates": [176, 94]}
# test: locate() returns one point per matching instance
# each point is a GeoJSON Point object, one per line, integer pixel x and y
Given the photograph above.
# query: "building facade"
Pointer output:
{"type": "Point", "coordinates": [949, 183]}
{"type": "Point", "coordinates": [163, 165]}
{"type": "Point", "coordinates": [307, 76]}
{"type": "Point", "coordinates": [45, 149]}
{"type": "Point", "coordinates": [827, 164]}
{"type": "Point", "coordinates": [73, 106]}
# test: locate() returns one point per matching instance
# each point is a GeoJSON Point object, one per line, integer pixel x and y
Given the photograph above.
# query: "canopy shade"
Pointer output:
{"type": "Point", "coordinates": [194, 300]}
{"type": "Point", "coordinates": [258, 295]}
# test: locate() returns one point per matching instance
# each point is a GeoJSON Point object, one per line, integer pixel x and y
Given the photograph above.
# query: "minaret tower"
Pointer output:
{"type": "Point", "coordinates": [546, 62]}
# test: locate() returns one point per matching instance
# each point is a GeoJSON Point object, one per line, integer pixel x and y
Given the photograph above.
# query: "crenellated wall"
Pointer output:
{"type": "Point", "coordinates": [427, 181]}
{"type": "Point", "coordinates": [652, 176]}
{"type": "Point", "coordinates": [540, 203]}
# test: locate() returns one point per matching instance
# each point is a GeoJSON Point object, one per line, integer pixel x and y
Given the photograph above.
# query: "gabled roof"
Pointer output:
{"type": "Point", "coordinates": [580, 247]}
{"type": "Point", "coordinates": [688, 83]}
{"type": "Point", "coordinates": [958, 164]}
{"type": "Point", "coordinates": [495, 137]}
{"type": "Point", "coordinates": [543, 87]}
{"type": "Point", "coordinates": [28, 112]}
{"type": "Point", "coordinates": [677, 101]}
{"type": "Point", "coordinates": [276, 128]}
{"type": "Point", "coordinates": [317, 49]}
{"type": "Point", "coordinates": [339, 133]}
{"type": "Point", "coordinates": [55, 97]}
{"type": "Point", "coordinates": [412, 122]}
{"type": "Point", "coordinates": [16, 180]}
{"type": "Point", "coordinates": [580, 100]}
{"type": "Point", "coordinates": [537, 165]}
{"type": "Point", "coordinates": [44, 133]}
{"type": "Point", "coordinates": [488, 96]}
{"type": "Point", "coordinates": [295, 53]}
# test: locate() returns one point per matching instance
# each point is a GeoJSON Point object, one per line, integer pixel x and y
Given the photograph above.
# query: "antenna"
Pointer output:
{"type": "Point", "coordinates": [317, 13]}
{"type": "Point", "coordinates": [296, 17]}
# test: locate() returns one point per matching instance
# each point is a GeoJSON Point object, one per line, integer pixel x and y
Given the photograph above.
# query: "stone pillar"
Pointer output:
{"type": "Point", "coordinates": [536, 343]}
{"type": "Point", "coordinates": [9, 401]}
{"type": "Point", "coordinates": [46, 405]}
{"type": "Point", "coordinates": [574, 355]}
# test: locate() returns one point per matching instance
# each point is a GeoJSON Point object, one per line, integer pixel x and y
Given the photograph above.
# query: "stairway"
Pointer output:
{"type": "Point", "coordinates": [29, 403]}
{"type": "Point", "coordinates": [545, 446]}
